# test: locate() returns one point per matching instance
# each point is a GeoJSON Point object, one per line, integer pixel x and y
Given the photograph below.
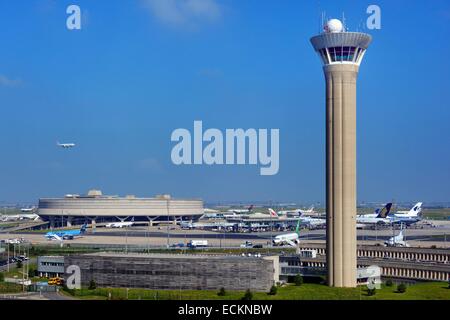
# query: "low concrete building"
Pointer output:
{"type": "Point", "coordinates": [177, 271]}
{"type": "Point", "coordinates": [50, 266]}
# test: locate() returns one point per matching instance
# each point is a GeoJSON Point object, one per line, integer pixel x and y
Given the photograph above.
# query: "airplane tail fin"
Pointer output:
{"type": "Point", "coordinates": [297, 228]}
{"type": "Point", "coordinates": [416, 210]}
{"type": "Point", "coordinates": [83, 228]}
{"type": "Point", "coordinates": [273, 213]}
{"type": "Point", "coordinates": [250, 208]}
{"type": "Point", "coordinates": [385, 211]}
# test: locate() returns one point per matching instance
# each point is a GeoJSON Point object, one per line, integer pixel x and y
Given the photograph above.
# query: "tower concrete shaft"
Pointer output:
{"type": "Point", "coordinates": [341, 173]}
{"type": "Point", "coordinates": [341, 53]}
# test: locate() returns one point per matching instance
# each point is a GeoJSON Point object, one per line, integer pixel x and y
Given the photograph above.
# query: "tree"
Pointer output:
{"type": "Point", "coordinates": [298, 280]}
{"type": "Point", "coordinates": [32, 273]}
{"type": "Point", "coordinates": [2, 277]}
{"type": "Point", "coordinates": [19, 264]}
{"type": "Point", "coordinates": [222, 292]}
{"type": "Point", "coordinates": [389, 283]}
{"type": "Point", "coordinates": [92, 285]}
{"type": "Point", "coordinates": [273, 290]}
{"type": "Point", "coordinates": [248, 295]}
{"type": "Point", "coordinates": [401, 288]}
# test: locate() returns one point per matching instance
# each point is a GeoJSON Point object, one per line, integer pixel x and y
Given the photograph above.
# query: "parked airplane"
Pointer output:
{"type": "Point", "coordinates": [297, 212]}
{"type": "Point", "coordinates": [378, 217]}
{"type": "Point", "coordinates": [407, 217]}
{"type": "Point", "coordinates": [66, 234]}
{"type": "Point", "coordinates": [309, 221]}
{"type": "Point", "coordinates": [120, 224]}
{"type": "Point", "coordinates": [240, 211]}
{"type": "Point", "coordinates": [310, 211]}
{"type": "Point", "coordinates": [291, 239]}
{"type": "Point", "coordinates": [65, 145]}
{"type": "Point", "coordinates": [15, 217]}
{"type": "Point", "coordinates": [396, 241]}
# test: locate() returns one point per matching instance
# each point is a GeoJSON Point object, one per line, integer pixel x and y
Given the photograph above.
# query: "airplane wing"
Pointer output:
{"type": "Point", "coordinates": [54, 237]}
{"type": "Point", "coordinates": [292, 244]}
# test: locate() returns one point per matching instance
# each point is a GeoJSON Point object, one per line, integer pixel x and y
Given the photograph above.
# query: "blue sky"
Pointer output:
{"type": "Point", "coordinates": [140, 69]}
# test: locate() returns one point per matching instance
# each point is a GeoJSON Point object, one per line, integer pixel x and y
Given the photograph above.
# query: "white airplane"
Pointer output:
{"type": "Point", "coordinates": [309, 221]}
{"type": "Point", "coordinates": [65, 145]}
{"type": "Point", "coordinates": [120, 224]}
{"type": "Point", "coordinates": [297, 212]}
{"type": "Point", "coordinates": [240, 211]}
{"type": "Point", "coordinates": [291, 239]}
{"type": "Point", "coordinates": [310, 211]}
{"type": "Point", "coordinates": [408, 217]}
{"type": "Point", "coordinates": [378, 217]}
{"type": "Point", "coordinates": [15, 217]}
{"type": "Point", "coordinates": [397, 241]}
{"type": "Point", "coordinates": [259, 215]}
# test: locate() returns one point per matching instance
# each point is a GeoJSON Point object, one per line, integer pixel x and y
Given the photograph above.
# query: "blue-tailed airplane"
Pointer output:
{"type": "Point", "coordinates": [65, 234]}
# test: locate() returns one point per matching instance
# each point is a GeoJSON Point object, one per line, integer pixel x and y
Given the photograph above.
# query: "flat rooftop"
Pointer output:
{"type": "Point", "coordinates": [171, 256]}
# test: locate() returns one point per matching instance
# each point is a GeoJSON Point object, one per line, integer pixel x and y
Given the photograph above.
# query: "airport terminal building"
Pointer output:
{"type": "Point", "coordinates": [95, 208]}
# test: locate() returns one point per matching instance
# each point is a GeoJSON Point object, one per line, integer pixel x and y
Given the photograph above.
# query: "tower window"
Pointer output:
{"type": "Point", "coordinates": [342, 53]}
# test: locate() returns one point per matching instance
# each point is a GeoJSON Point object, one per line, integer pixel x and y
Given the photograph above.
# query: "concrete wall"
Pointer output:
{"type": "Point", "coordinates": [175, 271]}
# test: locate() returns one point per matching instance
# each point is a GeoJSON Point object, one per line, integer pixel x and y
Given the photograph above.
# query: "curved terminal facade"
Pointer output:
{"type": "Point", "coordinates": [97, 208]}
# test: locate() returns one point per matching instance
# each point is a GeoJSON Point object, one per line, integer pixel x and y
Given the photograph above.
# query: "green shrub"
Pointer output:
{"type": "Point", "coordinates": [298, 280]}
{"type": "Point", "coordinates": [401, 288]}
{"type": "Point", "coordinates": [371, 292]}
{"type": "Point", "coordinates": [273, 290]}
{"type": "Point", "coordinates": [2, 277]}
{"type": "Point", "coordinates": [248, 295]}
{"type": "Point", "coordinates": [222, 292]}
{"type": "Point", "coordinates": [92, 285]}
{"type": "Point", "coordinates": [389, 283]}
{"type": "Point", "coordinates": [19, 264]}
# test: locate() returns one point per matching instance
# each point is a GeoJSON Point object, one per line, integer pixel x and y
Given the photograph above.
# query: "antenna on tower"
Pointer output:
{"type": "Point", "coordinates": [343, 22]}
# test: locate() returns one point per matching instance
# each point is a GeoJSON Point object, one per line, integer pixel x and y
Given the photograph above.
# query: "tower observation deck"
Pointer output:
{"type": "Point", "coordinates": [341, 53]}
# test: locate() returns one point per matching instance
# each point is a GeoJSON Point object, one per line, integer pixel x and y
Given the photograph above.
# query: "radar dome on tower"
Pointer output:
{"type": "Point", "coordinates": [333, 25]}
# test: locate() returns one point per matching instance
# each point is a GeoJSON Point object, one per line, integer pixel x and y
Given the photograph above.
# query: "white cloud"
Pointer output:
{"type": "Point", "coordinates": [8, 82]}
{"type": "Point", "coordinates": [184, 13]}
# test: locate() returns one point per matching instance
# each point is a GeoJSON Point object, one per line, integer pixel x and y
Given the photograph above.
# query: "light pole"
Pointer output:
{"type": "Point", "coordinates": [168, 222]}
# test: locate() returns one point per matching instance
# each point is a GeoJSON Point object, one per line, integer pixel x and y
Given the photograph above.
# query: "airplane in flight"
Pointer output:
{"type": "Point", "coordinates": [397, 241]}
{"type": "Point", "coordinates": [66, 234]}
{"type": "Point", "coordinates": [65, 145]}
{"type": "Point", "coordinates": [380, 216]}
{"type": "Point", "coordinates": [291, 239]}
{"type": "Point", "coordinates": [121, 224]}
{"type": "Point", "coordinates": [408, 217]}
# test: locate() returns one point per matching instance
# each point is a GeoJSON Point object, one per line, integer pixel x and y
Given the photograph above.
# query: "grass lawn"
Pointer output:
{"type": "Point", "coordinates": [420, 291]}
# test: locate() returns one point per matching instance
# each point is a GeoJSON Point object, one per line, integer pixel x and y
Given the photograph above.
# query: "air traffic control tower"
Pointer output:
{"type": "Point", "coordinates": [341, 53]}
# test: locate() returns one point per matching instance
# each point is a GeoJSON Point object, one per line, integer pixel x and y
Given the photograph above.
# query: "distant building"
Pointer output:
{"type": "Point", "coordinates": [177, 271]}
{"type": "Point", "coordinates": [97, 208]}
{"type": "Point", "coordinates": [50, 266]}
